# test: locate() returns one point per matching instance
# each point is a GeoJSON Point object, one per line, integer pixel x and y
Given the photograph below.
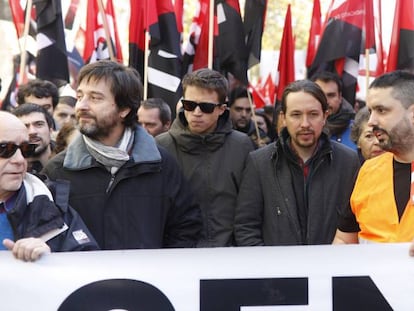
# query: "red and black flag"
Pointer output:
{"type": "Point", "coordinates": [286, 66]}
{"type": "Point", "coordinates": [232, 54]}
{"type": "Point", "coordinates": [401, 53]}
{"type": "Point", "coordinates": [341, 44]}
{"type": "Point", "coordinates": [229, 47]}
{"type": "Point", "coordinates": [254, 21]}
{"type": "Point", "coordinates": [165, 59]}
{"type": "Point", "coordinates": [51, 60]}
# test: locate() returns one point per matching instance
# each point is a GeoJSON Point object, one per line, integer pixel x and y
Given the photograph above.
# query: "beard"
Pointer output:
{"type": "Point", "coordinates": [97, 129]}
{"type": "Point", "coordinates": [398, 140]}
{"type": "Point", "coordinates": [308, 142]}
{"type": "Point", "coordinates": [40, 149]}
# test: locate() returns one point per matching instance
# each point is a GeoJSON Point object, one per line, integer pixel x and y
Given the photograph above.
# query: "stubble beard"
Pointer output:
{"type": "Point", "coordinates": [399, 139]}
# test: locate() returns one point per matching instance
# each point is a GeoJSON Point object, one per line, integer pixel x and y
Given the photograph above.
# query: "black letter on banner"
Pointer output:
{"type": "Point", "coordinates": [357, 293]}
{"type": "Point", "coordinates": [231, 294]}
{"type": "Point", "coordinates": [117, 294]}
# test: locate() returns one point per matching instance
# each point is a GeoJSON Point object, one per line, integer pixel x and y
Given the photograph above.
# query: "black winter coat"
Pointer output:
{"type": "Point", "coordinates": [269, 205]}
{"type": "Point", "coordinates": [214, 164]}
{"type": "Point", "coordinates": [147, 204]}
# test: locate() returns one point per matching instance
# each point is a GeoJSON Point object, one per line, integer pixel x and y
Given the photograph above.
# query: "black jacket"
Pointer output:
{"type": "Point", "coordinates": [213, 163]}
{"type": "Point", "coordinates": [147, 204]}
{"type": "Point", "coordinates": [270, 203]}
{"type": "Point", "coordinates": [35, 214]}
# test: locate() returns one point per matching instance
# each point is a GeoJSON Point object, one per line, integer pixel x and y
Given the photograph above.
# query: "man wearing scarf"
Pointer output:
{"type": "Point", "coordinates": [341, 112]}
{"type": "Point", "coordinates": [129, 192]}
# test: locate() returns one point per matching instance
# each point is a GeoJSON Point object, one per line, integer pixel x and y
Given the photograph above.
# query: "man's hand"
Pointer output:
{"type": "Point", "coordinates": [27, 249]}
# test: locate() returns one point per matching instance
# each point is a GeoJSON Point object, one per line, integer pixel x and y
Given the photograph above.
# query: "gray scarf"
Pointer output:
{"type": "Point", "coordinates": [111, 157]}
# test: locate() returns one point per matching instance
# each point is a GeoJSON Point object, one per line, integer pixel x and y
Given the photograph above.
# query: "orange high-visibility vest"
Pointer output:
{"type": "Point", "coordinates": [373, 203]}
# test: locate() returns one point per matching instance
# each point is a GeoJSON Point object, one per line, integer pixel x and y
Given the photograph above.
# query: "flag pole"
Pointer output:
{"type": "Point", "coordinates": [366, 70]}
{"type": "Point", "coordinates": [252, 107]}
{"type": "Point", "coordinates": [23, 52]}
{"type": "Point", "coordinates": [146, 56]}
{"type": "Point", "coordinates": [146, 51]}
{"type": "Point", "coordinates": [106, 29]}
{"type": "Point", "coordinates": [210, 34]}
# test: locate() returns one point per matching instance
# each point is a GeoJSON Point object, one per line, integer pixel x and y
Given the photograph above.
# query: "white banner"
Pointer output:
{"type": "Point", "coordinates": [349, 277]}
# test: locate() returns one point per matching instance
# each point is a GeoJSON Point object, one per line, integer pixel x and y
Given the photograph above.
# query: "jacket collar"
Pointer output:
{"type": "Point", "coordinates": [144, 150]}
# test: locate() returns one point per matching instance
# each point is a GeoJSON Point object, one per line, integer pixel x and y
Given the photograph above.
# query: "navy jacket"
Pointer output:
{"type": "Point", "coordinates": [35, 214]}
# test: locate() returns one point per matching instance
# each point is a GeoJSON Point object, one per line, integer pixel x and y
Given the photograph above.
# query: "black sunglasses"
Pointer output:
{"type": "Point", "coordinates": [190, 105]}
{"type": "Point", "coordinates": [7, 150]}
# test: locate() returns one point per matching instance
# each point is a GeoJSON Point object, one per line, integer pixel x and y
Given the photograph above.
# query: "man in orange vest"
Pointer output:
{"type": "Point", "coordinates": [382, 202]}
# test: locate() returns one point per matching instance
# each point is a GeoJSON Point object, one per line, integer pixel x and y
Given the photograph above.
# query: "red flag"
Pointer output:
{"type": "Point", "coordinates": [113, 28]}
{"type": "Point", "coordinates": [196, 51]}
{"type": "Point", "coordinates": [179, 10]}
{"type": "Point", "coordinates": [369, 24]}
{"type": "Point", "coordinates": [96, 45]}
{"type": "Point", "coordinates": [229, 50]}
{"type": "Point", "coordinates": [254, 21]}
{"type": "Point", "coordinates": [314, 33]}
{"type": "Point", "coordinates": [401, 52]}
{"type": "Point", "coordinates": [286, 67]}
{"type": "Point", "coordinates": [341, 42]}
{"type": "Point", "coordinates": [93, 35]}
{"type": "Point", "coordinates": [269, 90]}
{"type": "Point", "coordinates": [18, 15]}
{"type": "Point", "coordinates": [380, 48]}
{"type": "Point", "coordinates": [258, 99]}
{"type": "Point", "coordinates": [373, 39]}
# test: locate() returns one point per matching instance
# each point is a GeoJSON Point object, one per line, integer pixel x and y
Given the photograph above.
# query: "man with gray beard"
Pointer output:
{"type": "Point", "coordinates": [382, 202]}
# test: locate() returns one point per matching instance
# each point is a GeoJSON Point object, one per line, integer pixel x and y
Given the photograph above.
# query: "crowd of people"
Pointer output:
{"type": "Point", "coordinates": [99, 168]}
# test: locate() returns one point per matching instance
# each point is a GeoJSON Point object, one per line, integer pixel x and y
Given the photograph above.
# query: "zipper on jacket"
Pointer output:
{"type": "Point", "coordinates": [110, 183]}
{"type": "Point", "coordinates": [278, 211]}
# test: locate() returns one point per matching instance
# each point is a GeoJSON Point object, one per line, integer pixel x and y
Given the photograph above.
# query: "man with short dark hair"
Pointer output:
{"type": "Point", "coordinates": [154, 115]}
{"type": "Point", "coordinates": [241, 115]}
{"type": "Point", "coordinates": [41, 92]}
{"type": "Point", "coordinates": [130, 192]}
{"type": "Point", "coordinates": [64, 111]}
{"type": "Point", "coordinates": [211, 154]}
{"type": "Point", "coordinates": [341, 113]}
{"type": "Point", "coordinates": [39, 124]}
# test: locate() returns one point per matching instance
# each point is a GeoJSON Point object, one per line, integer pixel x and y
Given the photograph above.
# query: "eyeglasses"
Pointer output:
{"type": "Point", "coordinates": [190, 105]}
{"type": "Point", "coordinates": [7, 150]}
